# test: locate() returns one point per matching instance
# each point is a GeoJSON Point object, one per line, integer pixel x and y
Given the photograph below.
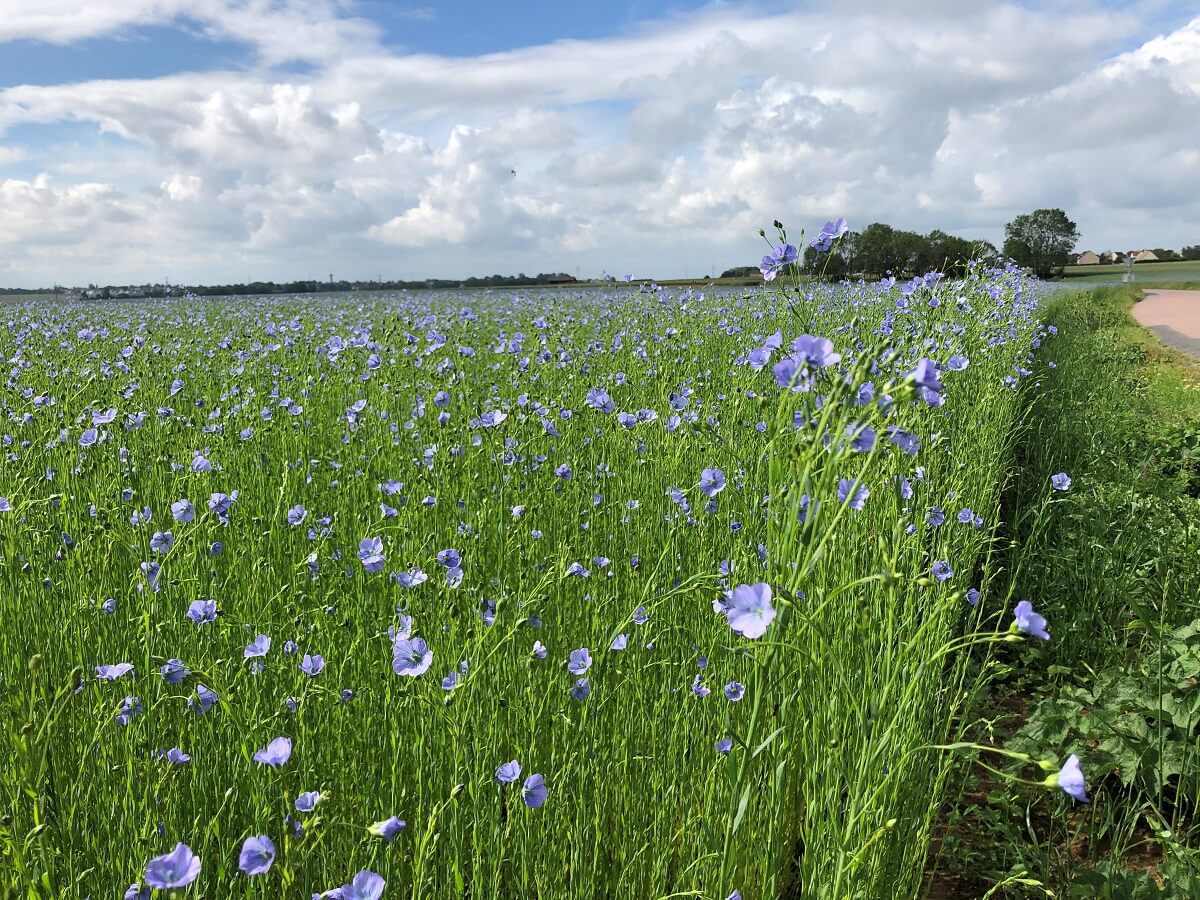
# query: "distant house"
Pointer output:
{"type": "Point", "coordinates": [1145, 256]}
{"type": "Point", "coordinates": [1112, 256]}
{"type": "Point", "coordinates": [1087, 258]}
{"type": "Point", "coordinates": [560, 278]}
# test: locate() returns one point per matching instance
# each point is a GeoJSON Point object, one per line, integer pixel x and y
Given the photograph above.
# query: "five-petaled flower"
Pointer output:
{"type": "Point", "coordinates": [749, 609]}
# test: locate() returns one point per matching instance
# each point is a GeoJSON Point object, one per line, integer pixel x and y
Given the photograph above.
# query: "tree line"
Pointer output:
{"type": "Point", "coordinates": [310, 286]}
{"type": "Point", "coordinates": [1041, 241]}
{"type": "Point", "coordinates": [315, 287]}
{"type": "Point", "coordinates": [879, 250]}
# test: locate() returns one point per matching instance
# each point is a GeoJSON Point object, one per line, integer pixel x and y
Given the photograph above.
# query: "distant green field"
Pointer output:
{"type": "Point", "coordinates": [1142, 272]}
{"type": "Point", "coordinates": [20, 298]}
{"type": "Point", "coordinates": [681, 282]}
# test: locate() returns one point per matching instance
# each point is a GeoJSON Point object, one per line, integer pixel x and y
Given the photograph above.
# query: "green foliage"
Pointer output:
{"type": "Point", "coordinates": [1167, 255]}
{"type": "Point", "coordinates": [1116, 569]}
{"type": "Point", "coordinates": [1136, 723]}
{"type": "Point", "coordinates": [1177, 455]}
{"type": "Point", "coordinates": [1120, 553]}
{"type": "Point", "coordinates": [880, 250]}
{"type": "Point", "coordinates": [1041, 241]}
{"type": "Point", "coordinates": [1109, 882]}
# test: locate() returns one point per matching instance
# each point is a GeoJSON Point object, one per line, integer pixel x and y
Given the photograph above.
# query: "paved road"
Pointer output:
{"type": "Point", "coordinates": [1174, 316]}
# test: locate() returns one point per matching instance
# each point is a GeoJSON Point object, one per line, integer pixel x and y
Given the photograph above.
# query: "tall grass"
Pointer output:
{"type": "Point", "coordinates": [826, 788]}
{"type": "Point", "coordinates": [1114, 568]}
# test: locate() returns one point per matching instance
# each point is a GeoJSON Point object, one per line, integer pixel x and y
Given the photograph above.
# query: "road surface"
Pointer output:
{"type": "Point", "coordinates": [1174, 316]}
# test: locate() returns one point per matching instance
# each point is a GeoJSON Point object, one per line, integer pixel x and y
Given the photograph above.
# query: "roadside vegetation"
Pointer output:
{"type": "Point", "coordinates": [1117, 569]}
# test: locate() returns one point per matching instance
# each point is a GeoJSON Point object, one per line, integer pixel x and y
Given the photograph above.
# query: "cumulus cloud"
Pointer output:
{"type": "Point", "coordinates": [45, 220]}
{"type": "Point", "coordinates": [659, 150]}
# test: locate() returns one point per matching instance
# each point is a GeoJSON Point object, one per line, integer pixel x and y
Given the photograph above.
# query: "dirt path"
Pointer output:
{"type": "Point", "coordinates": [1174, 316]}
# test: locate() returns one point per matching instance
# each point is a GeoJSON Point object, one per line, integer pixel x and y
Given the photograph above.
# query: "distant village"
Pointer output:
{"type": "Point", "coordinates": [1159, 254]}
{"type": "Point", "coordinates": [106, 293]}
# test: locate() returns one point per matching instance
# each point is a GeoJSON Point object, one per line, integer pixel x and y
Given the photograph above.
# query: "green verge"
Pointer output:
{"type": "Point", "coordinates": [1117, 572]}
{"type": "Point", "coordinates": [1144, 273]}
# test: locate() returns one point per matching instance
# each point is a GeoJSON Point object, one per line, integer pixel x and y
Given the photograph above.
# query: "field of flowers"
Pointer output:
{"type": "Point", "coordinates": [622, 593]}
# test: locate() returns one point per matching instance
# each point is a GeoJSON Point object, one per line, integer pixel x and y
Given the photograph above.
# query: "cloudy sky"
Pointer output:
{"type": "Point", "coordinates": [228, 140]}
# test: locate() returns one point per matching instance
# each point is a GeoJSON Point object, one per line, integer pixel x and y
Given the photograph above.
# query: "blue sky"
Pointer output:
{"type": "Point", "coordinates": [220, 138]}
{"type": "Point", "coordinates": [469, 28]}
{"type": "Point", "coordinates": [140, 52]}
{"type": "Point", "coordinates": [474, 28]}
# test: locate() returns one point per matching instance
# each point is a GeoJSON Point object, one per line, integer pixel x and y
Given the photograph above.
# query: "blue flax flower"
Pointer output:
{"type": "Point", "coordinates": [507, 773]}
{"type": "Point", "coordinates": [308, 801]}
{"type": "Point", "coordinates": [830, 231]}
{"type": "Point", "coordinates": [1029, 622]}
{"type": "Point", "coordinates": [176, 869]}
{"type": "Point", "coordinates": [749, 610]}
{"type": "Point", "coordinates": [1070, 779]}
{"type": "Point", "coordinates": [388, 828]}
{"type": "Point", "coordinates": [580, 661]}
{"type": "Point", "coordinates": [257, 855]}
{"type": "Point", "coordinates": [411, 657]}
{"type": "Point", "coordinates": [366, 885]}
{"type": "Point", "coordinates": [534, 791]}
{"type": "Point", "coordinates": [275, 754]}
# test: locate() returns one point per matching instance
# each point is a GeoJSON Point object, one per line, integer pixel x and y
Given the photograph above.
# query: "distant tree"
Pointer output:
{"type": "Point", "coordinates": [834, 264]}
{"type": "Point", "coordinates": [950, 253]}
{"type": "Point", "coordinates": [1041, 240]}
{"type": "Point", "coordinates": [1167, 255]}
{"type": "Point", "coordinates": [742, 272]}
{"type": "Point", "coordinates": [912, 253]}
{"type": "Point", "coordinates": [875, 256]}
{"type": "Point", "coordinates": [845, 251]}
{"type": "Point", "coordinates": [1191, 252]}
{"type": "Point", "coordinates": [881, 249]}
{"type": "Point", "coordinates": [984, 250]}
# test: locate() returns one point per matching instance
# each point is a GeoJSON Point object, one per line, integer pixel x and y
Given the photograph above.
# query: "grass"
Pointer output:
{"type": "Point", "coordinates": [1115, 569]}
{"type": "Point", "coordinates": [1143, 272]}
{"type": "Point", "coordinates": [445, 421]}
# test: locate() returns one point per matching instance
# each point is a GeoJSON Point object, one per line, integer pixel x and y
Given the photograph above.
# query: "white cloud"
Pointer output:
{"type": "Point", "coordinates": [41, 218]}
{"type": "Point", "coordinates": [658, 150]}
{"type": "Point", "coordinates": [280, 29]}
{"type": "Point", "coordinates": [63, 21]}
{"type": "Point", "coordinates": [183, 187]}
